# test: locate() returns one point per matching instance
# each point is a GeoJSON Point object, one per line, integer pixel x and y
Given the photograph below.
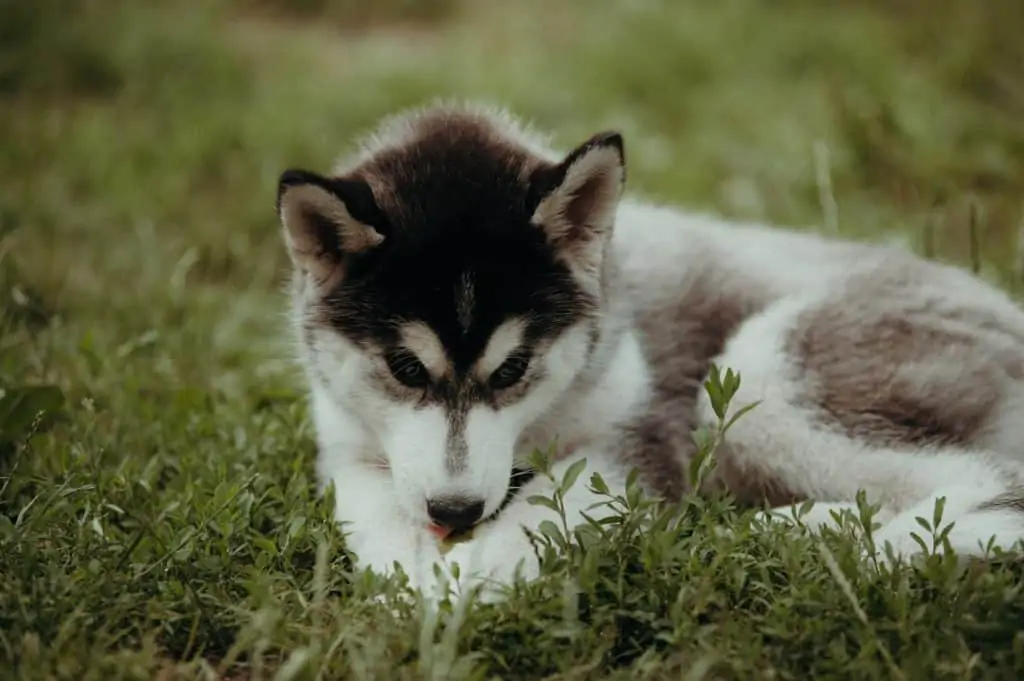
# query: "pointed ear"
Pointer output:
{"type": "Point", "coordinates": [579, 196]}
{"type": "Point", "coordinates": [321, 230]}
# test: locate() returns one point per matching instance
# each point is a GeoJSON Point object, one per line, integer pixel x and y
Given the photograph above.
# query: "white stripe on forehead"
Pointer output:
{"type": "Point", "coordinates": [424, 343]}
{"type": "Point", "coordinates": [465, 300]}
{"type": "Point", "coordinates": [506, 338]}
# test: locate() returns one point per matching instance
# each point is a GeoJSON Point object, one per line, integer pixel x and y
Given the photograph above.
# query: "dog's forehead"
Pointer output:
{"type": "Point", "coordinates": [461, 284]}
{"type": "Point", "coordinates": [465, 302]}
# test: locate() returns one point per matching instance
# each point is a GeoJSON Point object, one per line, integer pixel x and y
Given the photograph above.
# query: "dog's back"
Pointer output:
{"type": "Point", "coordinates": [875, 370]}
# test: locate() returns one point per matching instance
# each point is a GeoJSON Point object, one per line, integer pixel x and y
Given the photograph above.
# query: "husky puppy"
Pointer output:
{"type": "Point", "coordinates": [463, 294]}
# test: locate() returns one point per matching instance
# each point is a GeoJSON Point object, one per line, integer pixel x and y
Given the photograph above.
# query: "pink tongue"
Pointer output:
{"type": "Point", "coordinates": [438, 531]}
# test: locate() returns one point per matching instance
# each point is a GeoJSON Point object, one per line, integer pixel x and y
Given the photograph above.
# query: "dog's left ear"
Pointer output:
{"type": "Point", "coordinates": [579, 196]}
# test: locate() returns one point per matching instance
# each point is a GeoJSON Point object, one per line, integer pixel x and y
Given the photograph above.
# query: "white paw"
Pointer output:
{"type": "Point", "coordinates": [491, 560]}
{"type": "Point", "coordinates": [414, 552]}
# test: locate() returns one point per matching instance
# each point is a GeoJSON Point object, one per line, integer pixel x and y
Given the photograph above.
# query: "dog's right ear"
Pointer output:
{"type": "Point", "coordinates": [320, 223]}
{"type": "Point", "coordinates": [576, 200]}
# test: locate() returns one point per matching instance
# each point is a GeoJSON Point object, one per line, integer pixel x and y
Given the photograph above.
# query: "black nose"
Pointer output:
{"type": "Point", "coordinates": [455, 513]}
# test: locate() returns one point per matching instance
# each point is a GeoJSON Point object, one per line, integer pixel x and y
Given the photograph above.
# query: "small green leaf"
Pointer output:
{"type": "Point", "coordinates": [715, 391]}
{"type": "Point", "coordinates": [295, 526]}
{"type": "Point", "coordinates": [943, 537]}
{"type": "Point", "coordinates": [732, 383]}
{"type": "Point", "coordinates": [598, 484]}
{"type": "Point", "coordinates": [571, 474]}
{"type": "Point", "coordinates": [740, 412]}
{"type": "Point", "coordinates": [632, 477]}
{"type": "Point", "coordinates": [920, 542]}
{"type": "Point", "coordinates": [539, 461]}
{"type": "Point", "coordinates": [540, 500]}
{"type": "Point", "coordinates": [940, 506]}
{"type": "Point", "coordinates": [265, 545]}
{"type": "Point", "coordinates": [550, 530]}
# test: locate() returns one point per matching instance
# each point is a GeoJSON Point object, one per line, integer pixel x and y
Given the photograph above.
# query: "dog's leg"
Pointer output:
{"type": "Point", "coordinates": [976, 513]}
{"type": "Point", "coordinates": [789, 443]}
{"type": "Point", "coordinates": [981, 512]}
{"type": "Point", "coordinates": [501, 546]}
{"type": "Point", "coordinates": [375, 532]}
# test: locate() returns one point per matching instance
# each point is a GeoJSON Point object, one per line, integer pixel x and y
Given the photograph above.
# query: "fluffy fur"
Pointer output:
{"type": "Point", "coordinates": [462, 294]}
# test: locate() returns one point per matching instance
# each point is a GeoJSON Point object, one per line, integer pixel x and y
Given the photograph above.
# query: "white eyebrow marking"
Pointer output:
{"type": "Point", "coordinates": [424, 343]}
{"type": "Point", "coordinates": [506, 338]}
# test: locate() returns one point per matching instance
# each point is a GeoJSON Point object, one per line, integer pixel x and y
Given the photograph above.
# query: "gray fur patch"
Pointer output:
{"type": "Point", "coordinates": [891, 366]}
{"type": "Point", "coordinates": [457, 447]}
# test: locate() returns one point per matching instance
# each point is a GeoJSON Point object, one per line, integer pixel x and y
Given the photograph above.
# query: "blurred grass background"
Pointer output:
{"type": "Point", "coordinates": [141, 141]}
{"type": "Point", "coordinates": [140, 260]}
{"type": "Point", "coordinates": [143, 128]}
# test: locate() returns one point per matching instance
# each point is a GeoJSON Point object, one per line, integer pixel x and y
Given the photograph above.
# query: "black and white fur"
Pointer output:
{"type": "Point", "coordinates": [463, 294]}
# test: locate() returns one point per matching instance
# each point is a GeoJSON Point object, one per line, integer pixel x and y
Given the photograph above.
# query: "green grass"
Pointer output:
{"type": "Point", "coordinates": [161, 522]}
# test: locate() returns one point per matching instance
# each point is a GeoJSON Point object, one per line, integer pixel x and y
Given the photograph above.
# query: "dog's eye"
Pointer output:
{"type": "Point", "coordinates": [407, 370]}
{"type": "Point", "coordinates": [509, 373]}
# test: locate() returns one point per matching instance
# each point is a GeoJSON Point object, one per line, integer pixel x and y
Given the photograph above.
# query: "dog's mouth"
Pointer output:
{"type": "Point", "coordinates": [517, 479]}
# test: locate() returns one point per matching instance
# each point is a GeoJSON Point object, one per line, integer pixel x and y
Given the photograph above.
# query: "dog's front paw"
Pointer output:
{"type": "Point", "coordinates": [491, 560]}
{"type": "Point", "coordinates": [412, 552]}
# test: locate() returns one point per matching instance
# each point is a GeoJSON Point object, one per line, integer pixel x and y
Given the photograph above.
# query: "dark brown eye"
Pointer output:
{"type": "Point", "coordinates": [407, 370]}
{"type": "Point", "coordinates": [510, 372]}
